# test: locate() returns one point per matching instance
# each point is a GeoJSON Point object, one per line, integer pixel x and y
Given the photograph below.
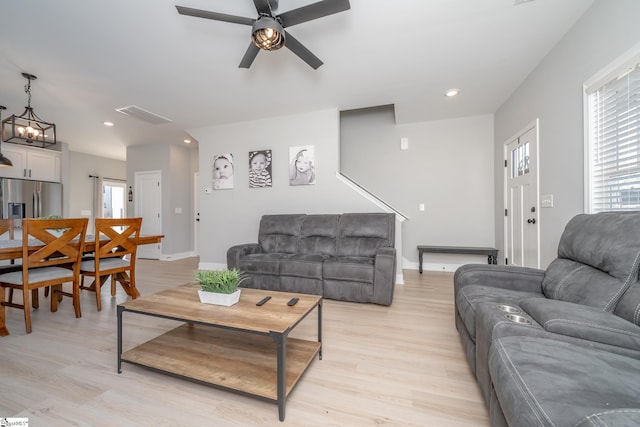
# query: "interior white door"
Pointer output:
{"type": "Point", "coordinates": [196, 213]}
{"type": "Point", "coordinates": [522, 225]}
{"type": "Point", "coordinates": [148, 202]}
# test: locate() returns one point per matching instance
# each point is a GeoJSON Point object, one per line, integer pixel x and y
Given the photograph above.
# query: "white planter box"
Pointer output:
{"type": "Point", "coordinates": [219, 299]}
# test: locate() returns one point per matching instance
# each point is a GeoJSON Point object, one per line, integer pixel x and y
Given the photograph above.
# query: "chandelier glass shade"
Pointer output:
{"type": "Point", "coordinates": [28, 128]}
{"type": "Point", "coordinates": [4, 162]}
{"type": "Point", "coordinates": [267, 34]}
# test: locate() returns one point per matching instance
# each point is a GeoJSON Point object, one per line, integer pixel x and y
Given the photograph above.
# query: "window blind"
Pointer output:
{"type": "Point", "coordinates": [614, 144]}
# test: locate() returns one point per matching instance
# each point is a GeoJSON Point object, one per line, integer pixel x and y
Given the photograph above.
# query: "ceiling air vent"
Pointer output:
{"type": "Point", "coordinates": [142, 114]}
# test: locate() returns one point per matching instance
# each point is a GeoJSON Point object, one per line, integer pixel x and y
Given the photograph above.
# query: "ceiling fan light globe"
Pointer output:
{"type": "Point", "coordinates": [267, 34]}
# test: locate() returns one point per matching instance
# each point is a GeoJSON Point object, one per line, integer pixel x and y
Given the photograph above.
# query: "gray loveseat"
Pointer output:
{"type": "Point", "coordinates": [348, 257]}
{"type": "Point", "coordinates": [561, 346]}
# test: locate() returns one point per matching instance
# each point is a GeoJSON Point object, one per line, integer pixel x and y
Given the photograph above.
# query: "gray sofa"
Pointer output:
{"type": "Point", "coordinates": [349, 257]}
{"type": "Point", "coordinates": [561, 346]}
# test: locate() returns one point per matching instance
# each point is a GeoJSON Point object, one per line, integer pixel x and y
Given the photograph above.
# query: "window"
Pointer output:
{"type": "Point", "coordinates": [613, 140]}
{"type": "Point", "coordinates": [113, 199]}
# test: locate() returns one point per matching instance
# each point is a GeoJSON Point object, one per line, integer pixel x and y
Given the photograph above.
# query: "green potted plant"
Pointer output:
{"type": "Point", "coordinates": [219, 286]}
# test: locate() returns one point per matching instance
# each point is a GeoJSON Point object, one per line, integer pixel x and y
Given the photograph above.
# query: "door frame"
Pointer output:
{"type": "Point", "coordinates": [196, 213]}
{"type": "Point", "coordinates": [536, 196]}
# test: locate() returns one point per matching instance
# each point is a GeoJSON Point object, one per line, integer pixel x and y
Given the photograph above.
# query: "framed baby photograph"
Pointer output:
{"type": "Point", "coordinates": [260, 169]}
{"type": "Point", "coordinates": [302, 165]}
{"type": "Point", "coordinates": [222, 169]}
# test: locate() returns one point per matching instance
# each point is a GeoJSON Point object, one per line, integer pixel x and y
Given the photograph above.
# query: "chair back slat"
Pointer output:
{"type": "Point", "coordinates": [63, 241]}
{"type": "Point", "coordinates": [123, 235]}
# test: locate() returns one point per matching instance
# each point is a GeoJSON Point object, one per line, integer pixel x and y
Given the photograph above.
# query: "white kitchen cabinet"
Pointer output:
{"type": "Point", "coordinates": [31, 163]}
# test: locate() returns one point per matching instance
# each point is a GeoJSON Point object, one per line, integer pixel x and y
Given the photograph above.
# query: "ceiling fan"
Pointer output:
{"type": "Point", "coordinates": [268, 28]}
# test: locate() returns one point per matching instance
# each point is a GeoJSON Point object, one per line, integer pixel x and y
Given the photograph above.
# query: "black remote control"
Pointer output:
{"type": "Point", "coordinates": [263, 300]}
{"type": "Point", "coordinates": [292, 301]}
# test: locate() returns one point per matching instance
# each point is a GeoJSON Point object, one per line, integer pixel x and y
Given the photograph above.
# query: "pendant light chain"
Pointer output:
{"type": "Point", "coordinates": [27, 90]}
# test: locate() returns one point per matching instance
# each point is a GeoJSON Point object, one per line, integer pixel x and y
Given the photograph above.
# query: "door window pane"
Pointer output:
{"type": "Point", "coordinates": [520, 160]}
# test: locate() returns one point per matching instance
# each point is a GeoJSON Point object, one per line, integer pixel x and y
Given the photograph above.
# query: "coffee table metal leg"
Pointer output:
{"type": "Point", "coordinates": [281, 372]}
{"type": "Point", "coordinates": [120, 310]}
{"type": "Point", "coordinates": [320, 329]}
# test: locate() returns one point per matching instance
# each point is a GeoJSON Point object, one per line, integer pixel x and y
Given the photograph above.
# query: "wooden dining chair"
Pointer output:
{"type": "Point", "coordinates": [6, 226]}
{"type": "Point", "coordinates": [51, 255]}
{"type": "Point", "coordinates": [116, 240]}
{"type": "Point", "coordinates": [6, 233]}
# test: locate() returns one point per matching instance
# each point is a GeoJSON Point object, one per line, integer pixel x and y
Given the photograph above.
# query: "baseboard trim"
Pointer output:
{"type": "Point", "coordinates": [174, 257]}
{"type": "Point", "coordinates": [212, 266]}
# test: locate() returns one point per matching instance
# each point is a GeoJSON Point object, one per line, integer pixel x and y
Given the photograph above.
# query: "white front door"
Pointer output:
{"type": "Point", "coordinates": [522, 224]}
{"type": "Point", "coordinates": [148, 192]}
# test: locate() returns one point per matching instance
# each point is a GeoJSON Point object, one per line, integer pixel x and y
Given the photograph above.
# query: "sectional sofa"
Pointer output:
{"type": "Point", "coordinates": [349, 257]}
{"type": "Point", "coordinates": [561, 346]}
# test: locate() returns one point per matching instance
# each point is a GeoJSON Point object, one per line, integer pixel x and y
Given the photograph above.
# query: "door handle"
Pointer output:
{"type": "Point", "coordinates": [531, 220]}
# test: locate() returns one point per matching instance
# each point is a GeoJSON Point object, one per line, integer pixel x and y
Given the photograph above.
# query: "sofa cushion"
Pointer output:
{"type": "Point", "coordinates": [302, 265]}
{"type": "Point", "coordinates": [570, 281]}
{"type": "Point", "coordinates": [280, 233]}
{"type": "Point", "coordinates": [469, 297]}
{"type": "Point", "coordinates": [360, 235]}
{"type": "Point", "coordinates": [352, 269]}
{"type": "Point", "coordinates": [543, 382]}
{"type": "Point", "coordinates": [262, 263]}
{"type": "Point", "coordinates": [629, 305]}
{"type": "Point", "coordinates": [596, 259]}
{"type": "Point", "coordinates": [318, 235]}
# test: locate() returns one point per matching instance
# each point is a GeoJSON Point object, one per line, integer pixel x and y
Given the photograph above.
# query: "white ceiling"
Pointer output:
{"type": "Point", "coordinates": [92, 57]}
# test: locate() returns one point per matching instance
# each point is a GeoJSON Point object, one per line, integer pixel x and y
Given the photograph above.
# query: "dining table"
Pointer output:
{"type": "Point", "coordinates": [12, 250]}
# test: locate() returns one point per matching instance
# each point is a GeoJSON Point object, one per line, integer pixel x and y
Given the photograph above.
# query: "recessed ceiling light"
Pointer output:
{"type": "Point", "coordinates": [108, 124]}
{"type": "Point", "coordinates": [187, 141]}
{"type": "Point", "coordinates": [451, 92]}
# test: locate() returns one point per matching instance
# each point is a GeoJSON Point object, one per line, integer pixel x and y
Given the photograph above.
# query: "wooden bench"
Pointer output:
{"type": "Point", "coordinates": [492, 253]}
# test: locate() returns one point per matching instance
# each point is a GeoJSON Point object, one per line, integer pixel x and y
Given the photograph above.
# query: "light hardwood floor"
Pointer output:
{"type": "Point", "coordinates": [401, 365]}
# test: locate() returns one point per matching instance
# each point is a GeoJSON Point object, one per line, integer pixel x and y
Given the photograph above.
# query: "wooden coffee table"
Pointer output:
{"type": "Point", "coordinates": [243, 348]}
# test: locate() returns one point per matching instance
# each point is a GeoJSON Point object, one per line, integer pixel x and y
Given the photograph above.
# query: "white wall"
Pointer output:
{"type": "Point", "coordinates": [231, 217]}
{"type": "Point", "coordinates": [448, 167]}
{"type": "Point", "coordinates": [553, 93]}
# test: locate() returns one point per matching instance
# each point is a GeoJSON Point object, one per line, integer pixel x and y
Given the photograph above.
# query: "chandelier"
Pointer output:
{"type": "Point", "coordinates": [4, 162]}
{"type": "Point", "coordinates": [28, 128]}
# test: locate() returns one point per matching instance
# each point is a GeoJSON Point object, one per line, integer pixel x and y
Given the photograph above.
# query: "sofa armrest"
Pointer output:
{"type": "Point", "coordinates": [499, 276]}
{"type": "Point", "coordinates": [235, 252]}
{"type": "Point", "coordinates": [583, 322]}
{"type": "Point", "coordinates": [384, 277]}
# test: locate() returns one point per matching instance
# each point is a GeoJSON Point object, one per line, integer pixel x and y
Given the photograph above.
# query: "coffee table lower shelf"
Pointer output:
{"type": "Point", "coordinates": [232, 360]}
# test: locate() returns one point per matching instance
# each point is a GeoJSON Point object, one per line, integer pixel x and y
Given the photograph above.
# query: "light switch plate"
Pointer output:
{"type": "Point", "coordinates": [404, 143]}
{"type": "Point", "coordinates": [546, 201]}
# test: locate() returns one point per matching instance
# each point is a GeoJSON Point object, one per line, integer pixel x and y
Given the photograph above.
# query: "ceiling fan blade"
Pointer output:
{"type": "Point", "coordinates": [313, 11]}
{"type": "Point", "coordinates": [249, 56]}
{"type": "Point", "coordinates": [198, 13]}
{"type": "Point", "coordinates": [263, 7]}
{"type": "Point", "coordinates": [303, 53]}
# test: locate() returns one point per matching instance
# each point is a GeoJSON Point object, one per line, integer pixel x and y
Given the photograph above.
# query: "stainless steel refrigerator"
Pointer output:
{"type": "Point", "coordinates": [22, 198]}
